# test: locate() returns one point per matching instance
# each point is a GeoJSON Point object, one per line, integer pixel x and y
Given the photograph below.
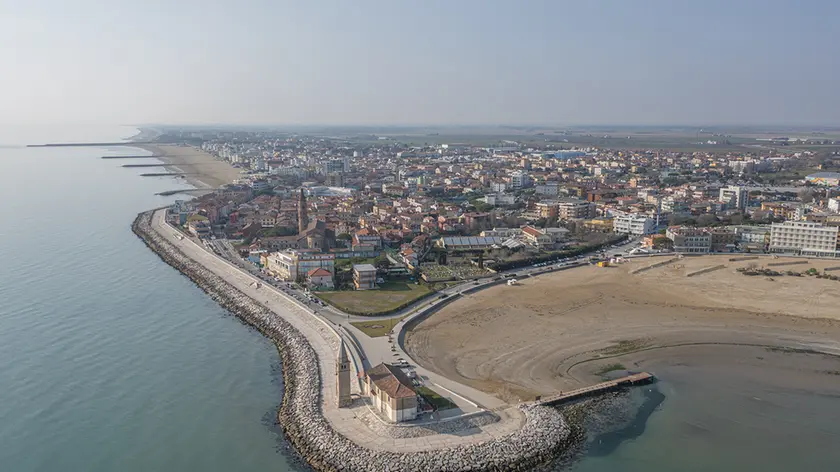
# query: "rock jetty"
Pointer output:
{"type": "Point", "coordinates": [544, 435]}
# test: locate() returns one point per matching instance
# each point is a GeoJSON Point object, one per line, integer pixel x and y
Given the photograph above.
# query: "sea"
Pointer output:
{"type": "Point", "coordinates": [112, 361]}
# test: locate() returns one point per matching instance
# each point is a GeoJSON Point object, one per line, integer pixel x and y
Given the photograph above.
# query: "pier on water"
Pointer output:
{"type": "Point", "coordinates": [603, 387]}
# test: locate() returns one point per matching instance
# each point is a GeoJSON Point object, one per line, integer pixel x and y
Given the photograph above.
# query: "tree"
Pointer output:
{"type": "Point", "coordinates": [706, 219]}
{"type": "Point", "coordinates": [344, 237]}
{"type": "Point", "coordinates": [662, 242]}
{"type": "Point", "coordinates": [382, 263]}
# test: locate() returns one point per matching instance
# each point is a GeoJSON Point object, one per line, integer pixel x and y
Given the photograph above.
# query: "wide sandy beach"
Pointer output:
{"type": "Point", "coordinates": [202, 169]}
{"type": "Point", "coordinates": [563, 330]}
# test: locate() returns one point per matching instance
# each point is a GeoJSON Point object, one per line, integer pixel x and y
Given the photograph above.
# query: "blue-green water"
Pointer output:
{"type": "Point", "coordinates": [112, 361]}
{"type": "Point", "coordinates": [109, 359]}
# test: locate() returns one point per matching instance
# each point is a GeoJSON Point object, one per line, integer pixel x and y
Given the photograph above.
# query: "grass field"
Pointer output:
{"type": "Point", "coordinates": [389, 296]}
{"type": "Point", "coordinates": [435, 399]}
{"type": "Point", "coordinates": [377, 328]}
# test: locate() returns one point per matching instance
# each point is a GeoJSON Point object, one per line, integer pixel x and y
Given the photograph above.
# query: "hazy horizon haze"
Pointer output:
{"type": "Point", "coordinates": [257, 62]}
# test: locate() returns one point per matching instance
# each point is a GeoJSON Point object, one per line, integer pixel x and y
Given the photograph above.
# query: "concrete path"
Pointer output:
{"type": "Point", "coordinates": [325, 339]}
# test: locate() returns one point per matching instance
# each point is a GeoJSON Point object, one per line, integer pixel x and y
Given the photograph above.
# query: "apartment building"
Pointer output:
{"type": "Point", "coordinates": [364, 276]}
{"type": "Point", "coordinates": [636, 225]}
{"type": "Point", "coordinates": [734, 197]}
{"type": "Point", "coordinates": [804, 238]}
{"type": "Point", "coordinates": [690, 240]}
{"type": "Point", "coordinates": [290, 264]}
{"type": "Point", "coordinates": [573, 208]}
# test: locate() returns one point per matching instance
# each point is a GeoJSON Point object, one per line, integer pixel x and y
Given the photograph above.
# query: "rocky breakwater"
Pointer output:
{"type": "Point", "coordinates": [543, 436]}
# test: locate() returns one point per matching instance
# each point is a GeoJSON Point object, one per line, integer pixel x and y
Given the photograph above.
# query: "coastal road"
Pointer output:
{"type": "Point", "coordinates": [296, 311]}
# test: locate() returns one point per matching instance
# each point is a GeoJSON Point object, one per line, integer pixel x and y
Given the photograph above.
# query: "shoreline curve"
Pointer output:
{"type": "Point", "coordinates": [544, 435]}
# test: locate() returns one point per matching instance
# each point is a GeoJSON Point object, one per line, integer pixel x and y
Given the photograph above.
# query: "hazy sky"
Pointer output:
{"type": "Point", "coordinates": [420, 62]}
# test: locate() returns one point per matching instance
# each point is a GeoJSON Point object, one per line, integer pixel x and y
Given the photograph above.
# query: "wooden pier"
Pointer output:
{"type": "Point", "coordinates": [603, 387]}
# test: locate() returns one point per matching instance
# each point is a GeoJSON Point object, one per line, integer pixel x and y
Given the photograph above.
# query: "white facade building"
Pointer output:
{"type": "Point", "coordinates": [637, 225]}
{"type": "Point", "coordinates": [519, 180]}
{"type": "Point", "coordinates": [499, 199]}
{"type": "Point", "coordinates": [734, 196]}
{"type": "Point", "coordinates": [809, 239]}
{"type": "Point", "coordinates": [834, 205]}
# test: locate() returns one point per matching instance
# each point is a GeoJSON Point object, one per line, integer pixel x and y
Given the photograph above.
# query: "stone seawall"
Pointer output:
{"type": "Point", "coordinates": [544, 435]}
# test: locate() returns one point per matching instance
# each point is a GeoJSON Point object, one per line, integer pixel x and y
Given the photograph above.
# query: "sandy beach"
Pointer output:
{"type": "Point", "coordinates": [563, 330]}
{"type": "Point", "coordinates": [202, 169]}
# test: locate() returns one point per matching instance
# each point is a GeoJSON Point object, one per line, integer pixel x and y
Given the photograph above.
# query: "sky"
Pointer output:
{"type": "Point", "coordinates": [429, 62]}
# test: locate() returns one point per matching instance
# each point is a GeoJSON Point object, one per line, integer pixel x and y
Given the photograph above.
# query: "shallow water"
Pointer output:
{"type": "Point", "coordinates": [781, 413]}
{"type": "Point", "coordinates": [109, 359]}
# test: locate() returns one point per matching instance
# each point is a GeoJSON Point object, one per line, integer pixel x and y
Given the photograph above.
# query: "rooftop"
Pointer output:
{"type": "Point", "coordinates": [392, 381]}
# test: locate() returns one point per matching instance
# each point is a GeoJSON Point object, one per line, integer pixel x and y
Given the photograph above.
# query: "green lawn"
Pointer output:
{"type": "Point", "coordinates": [377, 328]}
{"type": "Point", "coordinates": [435, 399]}
{"type": "Point", "coordinates": [389, 296]}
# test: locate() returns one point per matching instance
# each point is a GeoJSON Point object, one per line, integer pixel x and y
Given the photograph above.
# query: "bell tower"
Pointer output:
{"type": "Point", "coordinates": [303, 217]}
{"type": "Point", "coordinates": [342, 373]}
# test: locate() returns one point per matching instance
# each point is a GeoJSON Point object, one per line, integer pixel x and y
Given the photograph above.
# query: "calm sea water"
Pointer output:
{"type": "Point", "coordinates": [112, 361]}
{"type": "Point", "coordinates": [109, 359]}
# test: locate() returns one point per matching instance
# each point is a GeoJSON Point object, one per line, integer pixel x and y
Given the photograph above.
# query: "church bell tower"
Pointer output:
{"type": "Point", "coordinates": [342, 372]}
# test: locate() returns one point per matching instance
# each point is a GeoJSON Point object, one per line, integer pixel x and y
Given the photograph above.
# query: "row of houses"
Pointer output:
{"type": "Point", "coordinates": [790, 237]}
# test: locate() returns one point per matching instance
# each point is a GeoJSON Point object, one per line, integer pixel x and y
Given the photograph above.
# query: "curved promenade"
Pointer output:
{"type": "Point", "coordinates": [329, 438]}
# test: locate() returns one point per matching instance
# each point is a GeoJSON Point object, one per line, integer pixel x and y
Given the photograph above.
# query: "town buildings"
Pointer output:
{"type": "Point", "coordinates": [690, 240]}
{"type": "Point", "coordinates": [636, 225]}
{"type": "Point", "coordinates": [364, 276]}
{"type": "Point", "coordinates": [807, 239]}
{"type": "Point", "coordinates": [734, 196]}
{"type": "Point", "coordinates": [292, 264]}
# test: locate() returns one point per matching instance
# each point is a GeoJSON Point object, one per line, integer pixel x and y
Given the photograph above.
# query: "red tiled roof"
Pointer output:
{"type": "Point", "coordinates": [319, 272]}
{"type": "Point", "coordinates": [392, 381]}
{"type": "Point", "coordinates": [532, 231]}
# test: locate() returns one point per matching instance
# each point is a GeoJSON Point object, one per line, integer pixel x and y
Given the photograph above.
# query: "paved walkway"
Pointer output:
{"type": "Point", "coordinates": [325, 339]}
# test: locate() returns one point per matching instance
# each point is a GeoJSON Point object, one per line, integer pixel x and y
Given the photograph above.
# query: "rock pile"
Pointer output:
{"type": "Point", "coordinates": [544, 434]}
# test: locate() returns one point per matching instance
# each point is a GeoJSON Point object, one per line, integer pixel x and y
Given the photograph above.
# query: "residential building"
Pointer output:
{"type": "Point", "coordinates": [519, 180]}
{"type": "Point", "coordinates": [812, 239]}
{"type": "Point", "coordinates": [690, 240]}
{"type": "Point", "coordinates": [477, 221]}
{"type": "Point", "coordinates": [758, 236]}
{"type": "Point", "coordinates": [572, 208]}
{"type": "Point", "coordinates": [834, 205]}
{"type": "Point", "coordinates": [723, 240]}
{"type": "Point", "coordinates": [636, 225]}
{"type": "Point", "coordinates": [364, 276]}
{"type": "Point", "coordinates": [547, 209]}
{"type": "Point", "coordinates": [391, 392]}
{"type": "Point", "coordinates": [289, 264]}
{"type": "Point", "coordinates": [320, 278]}
{"type": "Point", "coordinates": [734, 196]}
{"type": "Point", "coordinates": [199, 227]}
